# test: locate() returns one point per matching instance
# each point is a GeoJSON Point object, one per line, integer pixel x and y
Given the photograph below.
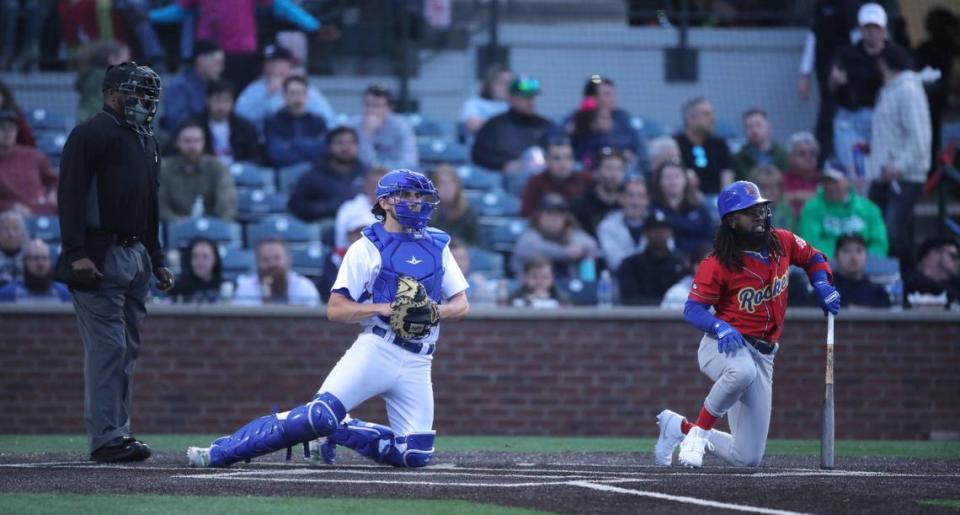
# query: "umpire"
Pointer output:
{"type": "Point", "coordinates": [110, 234]}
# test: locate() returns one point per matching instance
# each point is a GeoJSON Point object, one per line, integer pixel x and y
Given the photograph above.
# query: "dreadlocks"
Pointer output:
{"type": "Point", "coordinates": [728, 251]}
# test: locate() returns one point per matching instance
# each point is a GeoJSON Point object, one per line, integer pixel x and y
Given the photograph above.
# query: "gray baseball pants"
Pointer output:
{"type": "Point", "coordinates": [742, 390]}
{"type": "Point", "coordinates": [109, 319]}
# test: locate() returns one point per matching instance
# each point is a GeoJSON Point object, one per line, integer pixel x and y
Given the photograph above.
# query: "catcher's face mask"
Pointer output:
{"type": "Point", "coordinates": [413, 196]}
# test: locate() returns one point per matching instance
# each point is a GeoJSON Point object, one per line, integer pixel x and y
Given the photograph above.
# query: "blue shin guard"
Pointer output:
{"type": "Point", "coordinates": [306, 422]}
{"type": "Point", "coordinates": [378, 443]}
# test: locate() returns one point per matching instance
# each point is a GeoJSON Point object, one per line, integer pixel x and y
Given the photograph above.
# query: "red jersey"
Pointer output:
{"type": "Point", "coordinates": [754, 299]}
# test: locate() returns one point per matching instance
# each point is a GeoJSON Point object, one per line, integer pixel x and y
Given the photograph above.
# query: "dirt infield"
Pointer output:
{"type": "Point", "coordinates": [564, 483]}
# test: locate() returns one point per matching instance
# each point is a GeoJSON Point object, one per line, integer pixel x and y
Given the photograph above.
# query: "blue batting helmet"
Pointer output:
{"type": "Point", "coordinates": [411, 213]}
{"type": "Point", "coordinates": [739, 195]}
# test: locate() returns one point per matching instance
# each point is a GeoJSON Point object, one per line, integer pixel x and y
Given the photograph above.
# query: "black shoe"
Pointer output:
{"type": "Point", "coordinates": [121, 450]}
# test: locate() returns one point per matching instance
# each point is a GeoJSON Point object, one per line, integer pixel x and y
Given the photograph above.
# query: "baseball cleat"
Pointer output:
{"type": "Point", "coordinates": [693, 446]}
{"type": "Point", "coordinates": [198, 457]}
{"type": "Point", "coordinates": [670, 437]}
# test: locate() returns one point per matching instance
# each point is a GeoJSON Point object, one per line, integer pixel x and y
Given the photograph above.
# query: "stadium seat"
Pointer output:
{"type": "Point", "coordinates": [488, 262]}
{"type": "Point", "coordinates": [501, 234]}
{"type": "Point", "coordinates": [477, 178]}
{"type": "Point", "coordinates": [308, 261]}
{"type": "Point", "coordinates": [43, 119]}
{"type": "Point", "coordinates": [224, 232]}
{"type": "Point", "coordinates": [255, 205]}
{"type": "Point", "coordinates": [47, 228]}
{"type": "Point", "coordinates": [493, 203]}
{"type": "Point", "coordinates": [426, 127]}
{"type": "Point", "coordinates": [249, 175]}
{"type": "Point", "coordinates": [51, 143]}
{"type": "Point", "coordinates": [438, 151]}
{"type": "Point", "coordinates": [581, 293]}
{"type": "Point", "coordinates": [288, 176]}
{"type": "Point", "coordinates": [236, 262]}
{"type": "Point", "coordinates": [285, 227]}
{"type": "Point", "coordinates": [648, 128]}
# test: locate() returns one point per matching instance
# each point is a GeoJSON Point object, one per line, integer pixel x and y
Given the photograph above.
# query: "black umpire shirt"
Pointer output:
{"type": "Point", "coordinates": [109, 176]}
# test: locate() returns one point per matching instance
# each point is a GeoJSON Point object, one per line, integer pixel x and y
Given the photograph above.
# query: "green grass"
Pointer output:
{"type": "Point", "coordinates": [16, 444]}
{"type": "Point", "coordinates": [945, 503]}
{"type": "Point", "coordinates": [142, 504]}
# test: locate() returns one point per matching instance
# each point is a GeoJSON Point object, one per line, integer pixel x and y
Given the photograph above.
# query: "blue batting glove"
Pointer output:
{"type": "Point", "coordinates": [728, 338]}
{"type": "Point", "coordinates": [828, 296]}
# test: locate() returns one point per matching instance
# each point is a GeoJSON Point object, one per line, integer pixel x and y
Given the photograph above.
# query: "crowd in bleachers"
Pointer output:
{"type": "Point", "coordinates": [264, 186]}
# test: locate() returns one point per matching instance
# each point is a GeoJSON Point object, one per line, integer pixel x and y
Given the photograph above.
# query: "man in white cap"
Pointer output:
{"type": "Point", "coordinates": [854, 83]}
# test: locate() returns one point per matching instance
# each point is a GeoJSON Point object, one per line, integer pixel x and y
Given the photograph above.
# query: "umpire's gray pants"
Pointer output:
{"type": "Point", "coordinates": [109, 320]}
{"type": "Point", "coordinates": [742, 390]}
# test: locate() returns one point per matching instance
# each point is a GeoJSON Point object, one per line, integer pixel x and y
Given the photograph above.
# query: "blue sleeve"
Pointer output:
{"type": "Point", "coordinates": [817, 274]}
{"type": "Point", "coordinates": [173, 13]}
{"type": "Point", "coordinates": [698, 315]}
{"type": "Point", "coordinates": [307, 149]}
{"type": "Point", "coordinates": [287, 10]}
{"type": "Point", "coordinates": [176, 105]}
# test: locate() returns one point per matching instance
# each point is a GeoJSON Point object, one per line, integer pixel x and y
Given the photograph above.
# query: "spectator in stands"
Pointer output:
{"type": "Point", "coordinates": [275, 282]}
{"type": "Point", "coordinates": [233, 26]}
{"type": "Point", "coordinates": [644, 278]}
{"type": "Point", "coordinates": [386, 139]}
{"type": "Point", "coordinates": [202, 278]}
{"type": "Point", "coordinates": [939, 52]}
{"type": "Point", "coordinates": [600, 123]}
{"type": "Point", "coordinates": [27, 182]}
{"type": "Point", "coordinates": [803, 176]}
{"type": "Point", "coordinates": [36, 285]}
{"type": "Point", "coordinates": [356, 208]}
{"type": "Point", "coordinates": [492, 100]}
{"type": "Point", "coordinates": [676, 297]}
{"type": "Point", "coordinates": [935, 282]}
{"type": "Point", "coordinates": [838, 209]}
{"type": "Point", "coordinates": [673, 198]}
{"type": "Point", "coordinates": [554, 235]}
{"type": "Point", "coordinates": [29, 41]}
{"type": "Point", "coordinates": [704, 153]}
{"type": "Point", "coordinates": [854, 82]}
{"type": "Point", "coordinates": [353, 228]}
{"type": "Point", "coordinates": [503, 140]}
{"type": "Point", "coordinates": [770, 182]}
{"type": "Point", "coordinates": [454, 216]}
{"type": "Point", "coordinates": [83, 21]}
{"type": "Point", "coordinates": [332, 181]}
{"type": "Point", "coordinates": [899, 148]}
{"type": "Point", "coordinates": [849, 276]}
{"type": "Point", "coordinates": [228, 136]}
{"type": "Point", "coordinates": [621, 232]}
{"type": "Point", "coordinates": [483, 289]}
{"type": "Point", "coordinates": [604, 196]}
{"type": "Point", "coordinates": [538, 289]}
{"type": "Point", "coordinates": [13, 239]}
{"type": "Point", "coordinates": [193, 183]}
{"type": "Point", "coordinates": [559, 177]}
{"type": "Point", "coordinates": [294, 135]}
{"type": "Point", "coordinates": [185, 96]}
{"type": "Point", "coordinates": [264, 96]}
{"type": "Point", "coordinates": [760, 148]}
{"type": "Point", "coordinates": [93, 66]}
{"type": "Point", "coordinates": [660, 150]}
{"type": "Point", "coordinates": [8, 103]}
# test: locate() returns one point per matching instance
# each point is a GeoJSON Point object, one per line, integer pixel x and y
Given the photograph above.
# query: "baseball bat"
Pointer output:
{"type": "Point", "coordinates": [827, 432]}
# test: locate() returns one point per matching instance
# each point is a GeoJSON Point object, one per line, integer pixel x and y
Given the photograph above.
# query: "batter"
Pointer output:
{"type": "Point", "coordinates": [745, 280]}
{"type": "Point", "coordinates": [378, 363]}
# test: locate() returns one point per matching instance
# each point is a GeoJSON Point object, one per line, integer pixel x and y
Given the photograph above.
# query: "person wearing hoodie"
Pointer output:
{"type": "Point", "coordinates": [837, 209]}
{"type": "Point", "coordinates": [900, 147]}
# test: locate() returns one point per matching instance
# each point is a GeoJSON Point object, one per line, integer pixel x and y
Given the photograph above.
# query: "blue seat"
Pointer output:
{"type": "Point", "coordinates": [427, 127]}
{"type": "Point", "coordinates": [43, 119]}
{"type": "Point", "coordinates": [438, 151]}
{"type": "Point", "coordinates": [253, 176]}
{"type": "Point", "coordinates": [255, 205]}
{"type": "Point", "coordinates": [51, 143]}
{"type": "Point", "coordinates": [501, 234]}
{"type": "Point", "coordinates": [288, 176]}
{"type": "Point", "coordinates": [308, 261]}
{"type": "Point", "coordinates": [477, 178]}
{"type": "Point", "coordinates": [47, 228]}
{"type": "Point", "coordinates": [236, 262]}
{"type": "Point", "coordinates": [648, 128]}
{"type": "Point", "coordinates": [493, 203]}
{"type": "Point", "coordinates": [486, 261]}
{"type": "Point", "coordinates": [287, 228]}
{"type": "Point", "coordinates": [581, 293]}
{"type": "Point", "coordinates": [224, 232]}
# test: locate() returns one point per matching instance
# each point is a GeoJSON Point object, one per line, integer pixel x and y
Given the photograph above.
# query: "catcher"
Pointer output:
{"type": "Point", "coordinates": [398, 281]}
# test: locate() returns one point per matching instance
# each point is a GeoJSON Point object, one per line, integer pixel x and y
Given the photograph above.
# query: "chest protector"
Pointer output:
{"type": "Point", "coordinates": [419, 256]}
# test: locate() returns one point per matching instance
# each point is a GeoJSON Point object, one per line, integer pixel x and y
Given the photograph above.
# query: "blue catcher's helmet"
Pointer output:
{"type": "Point", "coordinates": [412, 212]}
{"type": "Point", "coordinates": [739, 195]}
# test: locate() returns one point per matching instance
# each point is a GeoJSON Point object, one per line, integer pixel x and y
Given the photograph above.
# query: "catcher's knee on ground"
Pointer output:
{"type": "Point", "coordinates": [271, 433]}
{"type": "Point", "coordinates": [378, 443]}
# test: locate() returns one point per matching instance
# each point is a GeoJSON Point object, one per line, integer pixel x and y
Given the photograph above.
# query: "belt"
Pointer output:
{"type": "Point", "coordinates": [126, 241]}
{"type": "Point", "coordinates": [409, 345]}
{"type": "Point", "coordinates": [762, 346]}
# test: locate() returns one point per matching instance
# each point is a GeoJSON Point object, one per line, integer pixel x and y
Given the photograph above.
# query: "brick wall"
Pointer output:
{"type": "Point", "coordinates": [578, 372]}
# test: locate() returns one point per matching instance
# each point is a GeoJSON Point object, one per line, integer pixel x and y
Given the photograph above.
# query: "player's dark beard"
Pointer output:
{"type": "Point", "coordinates": [37, 283]}
{"type": "Point", "coordinates": [750, 239]}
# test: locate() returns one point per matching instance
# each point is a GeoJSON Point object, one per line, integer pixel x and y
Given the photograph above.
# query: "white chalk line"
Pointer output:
{"type": "Point", "coordinates": [680, 498]}
{"type": "Point", "coordinates": [231, 477]}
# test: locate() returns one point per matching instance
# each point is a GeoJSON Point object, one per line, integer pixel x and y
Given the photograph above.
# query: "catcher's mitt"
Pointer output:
{"type": "Point", "coordinates": [414, 312]}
